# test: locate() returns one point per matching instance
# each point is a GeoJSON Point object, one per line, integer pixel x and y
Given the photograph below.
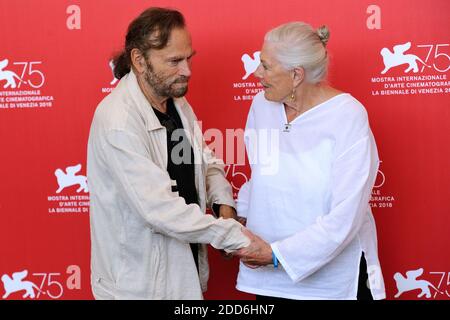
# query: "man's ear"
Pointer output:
{"type": "Point", "coordinates": [138, 60]}
{"type": "Point", "coordinates": [299, 76]}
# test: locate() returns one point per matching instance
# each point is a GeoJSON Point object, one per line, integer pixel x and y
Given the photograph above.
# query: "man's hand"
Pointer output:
{"type": "Point", "coordinates": [258, 253]}
{"type": "Point", "coordinates": [227, 212]}
{"type": "Point", "coordinates": [242, 220]}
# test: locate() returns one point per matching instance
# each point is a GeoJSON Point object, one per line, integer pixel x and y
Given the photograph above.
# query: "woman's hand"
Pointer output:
{"type": "Point", "coordinates": [258, 253]}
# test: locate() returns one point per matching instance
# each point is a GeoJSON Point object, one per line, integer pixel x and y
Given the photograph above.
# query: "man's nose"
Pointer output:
{"type": "Point", "coordinates": [185, 69]}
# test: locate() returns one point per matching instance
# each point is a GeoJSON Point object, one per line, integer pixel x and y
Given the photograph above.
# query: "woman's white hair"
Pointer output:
{"type": "Point", "coordinates": [297, 44]}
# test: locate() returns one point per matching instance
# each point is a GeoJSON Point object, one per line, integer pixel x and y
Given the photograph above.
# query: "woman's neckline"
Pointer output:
{"type": "Point", "coordinates": [309, 110]}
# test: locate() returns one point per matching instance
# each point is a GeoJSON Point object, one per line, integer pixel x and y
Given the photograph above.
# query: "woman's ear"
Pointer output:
{"type": "Point", "coordinates": [138, 60]}
{"type": "Point", "coordinates": [299, 76]}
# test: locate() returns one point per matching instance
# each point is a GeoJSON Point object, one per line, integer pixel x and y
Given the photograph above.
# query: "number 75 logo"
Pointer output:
{"type": "Point", "coordinates": [30, 74]}
{"type": "Point", "coordinates": [50, 283]}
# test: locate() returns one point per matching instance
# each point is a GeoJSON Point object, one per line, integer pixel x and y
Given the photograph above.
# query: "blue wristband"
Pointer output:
{"type": "Point", "coordinates": [275, 260]}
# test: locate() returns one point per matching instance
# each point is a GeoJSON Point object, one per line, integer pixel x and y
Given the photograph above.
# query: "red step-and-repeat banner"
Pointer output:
{"type": "Point", "coordinates": [394, 56]}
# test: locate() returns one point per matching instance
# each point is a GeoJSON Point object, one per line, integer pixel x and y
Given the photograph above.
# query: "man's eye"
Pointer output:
{"type": "Point", "coordinates": [174, 62]}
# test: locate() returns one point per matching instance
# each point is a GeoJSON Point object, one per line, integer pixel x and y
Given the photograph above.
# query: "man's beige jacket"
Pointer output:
{"type": "Point", "coordinates": [140, 228]}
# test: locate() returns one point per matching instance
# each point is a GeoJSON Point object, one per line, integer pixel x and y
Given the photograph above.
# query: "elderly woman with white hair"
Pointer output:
{"type": "Point", "coordinates": [311, 225]}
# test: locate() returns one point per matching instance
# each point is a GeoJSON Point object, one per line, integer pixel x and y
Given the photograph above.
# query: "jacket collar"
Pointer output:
{"type": "Point", "coordinates": [144, 106]}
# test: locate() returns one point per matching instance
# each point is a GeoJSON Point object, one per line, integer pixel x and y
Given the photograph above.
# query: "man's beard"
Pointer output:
{"type": "Point", "coordinates": [162, 87]}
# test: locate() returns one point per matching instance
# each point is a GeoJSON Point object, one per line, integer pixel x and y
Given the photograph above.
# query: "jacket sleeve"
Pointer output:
{"type": "Point", "coordinates": [148, 191]}
{"type": "Point", "coordinates": [218, 188]}
{"type": "Point", "coordinates": [353, 176]}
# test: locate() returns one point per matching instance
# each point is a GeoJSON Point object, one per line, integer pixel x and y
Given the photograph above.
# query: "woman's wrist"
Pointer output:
{"type": "Point", "coordinates": [274, 260]}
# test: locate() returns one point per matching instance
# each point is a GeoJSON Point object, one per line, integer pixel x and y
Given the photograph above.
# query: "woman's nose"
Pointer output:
{"type": "Point", "coordinates": [258, 71]}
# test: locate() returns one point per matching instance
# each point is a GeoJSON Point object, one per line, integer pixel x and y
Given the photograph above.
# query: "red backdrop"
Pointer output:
{"type": "Point", "coordinates": [54, 69]}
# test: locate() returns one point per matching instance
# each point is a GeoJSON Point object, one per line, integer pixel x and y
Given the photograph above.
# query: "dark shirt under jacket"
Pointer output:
{"type": "Point", "coordinates": [180, 166]}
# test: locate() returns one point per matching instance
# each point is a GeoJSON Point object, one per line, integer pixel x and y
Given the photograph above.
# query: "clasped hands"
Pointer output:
{"type": "Point", "coordinates": [258, 253]}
